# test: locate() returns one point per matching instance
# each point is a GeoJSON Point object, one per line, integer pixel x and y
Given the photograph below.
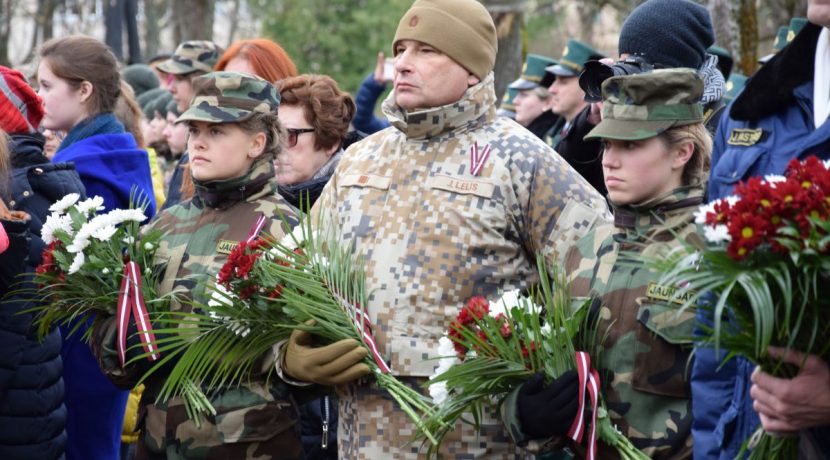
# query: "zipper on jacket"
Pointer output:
{"type": "Point", "coordinates": [324, 403]}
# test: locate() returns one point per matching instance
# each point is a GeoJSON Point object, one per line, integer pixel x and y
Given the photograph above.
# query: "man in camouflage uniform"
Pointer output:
{"type": "Point", "coordinates": [448, 203]}
{"type": "Point", "coordinates": [647, 341]}
{"type": "Point", "coordinates": [191, 59]}
{"type": "Point", "coordinates": [255, 420]}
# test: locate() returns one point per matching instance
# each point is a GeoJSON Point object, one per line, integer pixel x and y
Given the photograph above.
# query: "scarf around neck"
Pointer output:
{"type": "Point", "coordinates": [103, 123]}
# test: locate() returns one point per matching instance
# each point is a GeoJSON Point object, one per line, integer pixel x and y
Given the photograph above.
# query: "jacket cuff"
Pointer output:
{"type": "Point", "coordinates": [279, 351]}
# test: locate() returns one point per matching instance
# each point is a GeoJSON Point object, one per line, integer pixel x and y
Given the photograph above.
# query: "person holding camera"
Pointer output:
{"type": "Point", "coordinates": [568, 101]}
{"type": "Point", "coordinates": [656, 149]}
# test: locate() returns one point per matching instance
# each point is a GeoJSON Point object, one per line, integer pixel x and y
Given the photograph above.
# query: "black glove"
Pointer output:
{"type": "Point", "coordinates": [546, 411]}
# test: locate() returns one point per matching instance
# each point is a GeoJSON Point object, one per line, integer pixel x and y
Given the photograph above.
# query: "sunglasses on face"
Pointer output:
{"type": "Point", "coordinates": [293, 133]}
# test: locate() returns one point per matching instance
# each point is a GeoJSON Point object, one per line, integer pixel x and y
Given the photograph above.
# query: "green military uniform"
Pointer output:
{"type": "Point", "coordinates": [796, 24]}
{"type": "Point", "coordinates": [257, 419]}
{"type": "Point", "coordinates": [780, 39]}
{"type": "Point", "coordinates": [647, 340]}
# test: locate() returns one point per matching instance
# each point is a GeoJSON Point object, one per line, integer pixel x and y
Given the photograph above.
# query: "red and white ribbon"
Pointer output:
{"type": "Point", "coordinates": [363, 324]}
{"type": "Point", "coordinates": [259, 224]}
{"type": "Point", "coordinates": [588, 380]}
{"type": "Point", "coordinates": [478, 158]}
{"type": "Point", "coordinates": [131, 304]}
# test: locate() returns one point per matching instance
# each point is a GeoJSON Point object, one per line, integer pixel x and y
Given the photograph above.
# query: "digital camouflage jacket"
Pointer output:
{"type": "Point", "coordinates": [254, 420]}
{"type": "Point", "coordinates": [434, 232]}
{"type": "Point", "coordinates": [645, 364]}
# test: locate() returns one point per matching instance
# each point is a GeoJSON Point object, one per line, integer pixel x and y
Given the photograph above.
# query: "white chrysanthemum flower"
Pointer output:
{"type": "Point", "coordinates": [77, 263]}
{"type": "Point", "coordinates": [91, 205]}
{"type": "Point", "coordinates": [128, 239]}
{"type": "Point", "coordinates": [293, 239]}
{"type": "Point", "coordinates": [703, 211]}
{"type": "Point", "coordinates": [105, 271]}
{"type": "Point", "coordinates": [220, 297]}
{"type": "Point", "coordinates": [827, 164]}
{"type": "Point", "coordinates": [732, 199]}
{"type": "Point", "coordinates": [148, 246]}
{"type": "Point", "coordinates": [53, 223]}
{"type": "Point", "coordinates": [773, 179]}
{"type": "Point", "coordinates": [64, 203]}
{"type": "Point", "coordinates": [104, 233]}
{"type": "Point", "coordinates": [439, 392]}
{"type": "Point", "coordinates": [717, 234]}
{"type": "Point", "coordinates": [78, 245]}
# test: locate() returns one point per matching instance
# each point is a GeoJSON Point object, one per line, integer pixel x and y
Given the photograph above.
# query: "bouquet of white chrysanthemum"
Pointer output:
{"type": "Point", "coordinates": [95, 266]}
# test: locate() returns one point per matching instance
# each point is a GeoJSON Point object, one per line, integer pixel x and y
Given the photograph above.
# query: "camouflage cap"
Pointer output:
{"type": "Point", "coordinates": [192, 56]}
{"type": "Point", "coordinates": [533, 71]}
{"type": "Point", "coordinates": [230, 97]}
{"type": "Point", "coordinates": [644, 105]}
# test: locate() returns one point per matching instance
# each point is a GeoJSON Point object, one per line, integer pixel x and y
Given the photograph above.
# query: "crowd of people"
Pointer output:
{"type": "Point", "coordinates": [448, 195]}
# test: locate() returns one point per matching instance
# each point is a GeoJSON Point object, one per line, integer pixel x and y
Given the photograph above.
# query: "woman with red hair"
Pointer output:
{"type": "Point", "coordinates": [258, 56]}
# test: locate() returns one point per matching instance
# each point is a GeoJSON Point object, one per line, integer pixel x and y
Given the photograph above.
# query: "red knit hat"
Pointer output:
{"type": "Point", "coordinates": [21, 109]}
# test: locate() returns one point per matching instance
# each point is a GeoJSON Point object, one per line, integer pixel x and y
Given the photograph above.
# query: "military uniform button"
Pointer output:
{"type": "Point", "coordinates": [26, 193]}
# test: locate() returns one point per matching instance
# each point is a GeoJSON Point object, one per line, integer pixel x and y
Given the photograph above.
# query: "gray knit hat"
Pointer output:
{"type": "Point", "coordinates": [673, 33]}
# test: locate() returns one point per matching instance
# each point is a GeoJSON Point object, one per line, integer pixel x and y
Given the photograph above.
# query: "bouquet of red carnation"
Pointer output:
{"type": "Point", "coordinates": [766, 262]}
{"type": "Point", "coordinates": [266, 290]}
{"type": "Point", "coordinates": [490, 349]}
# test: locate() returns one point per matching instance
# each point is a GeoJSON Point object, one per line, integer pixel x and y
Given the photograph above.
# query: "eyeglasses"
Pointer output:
{"type": "Point", "coordinates": [294, 132]}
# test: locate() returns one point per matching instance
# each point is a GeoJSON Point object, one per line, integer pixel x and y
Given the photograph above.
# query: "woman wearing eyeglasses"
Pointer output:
{"type": "Point", "coordinates": [316, 114]}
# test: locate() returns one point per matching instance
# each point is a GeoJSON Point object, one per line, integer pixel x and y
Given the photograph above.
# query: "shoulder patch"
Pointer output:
{"type": "Point", "coordinates": [746, 137]}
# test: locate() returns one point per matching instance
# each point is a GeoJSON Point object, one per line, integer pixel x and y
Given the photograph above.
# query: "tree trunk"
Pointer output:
{"type": "Point", "coordinates": [7, 8]}
{"type": "Point", "coordinates": [154, 11]}
{"type": "Point", "coordinates": [723, 21]}
{"type": "Point", "coordinates": [192, 20]}
{"type": "Point", "coordinates": [748, 27]}
{"type": "Point", "coordinates": [234, 22]}
{"type": "Point", "coordinates": [510, 57]}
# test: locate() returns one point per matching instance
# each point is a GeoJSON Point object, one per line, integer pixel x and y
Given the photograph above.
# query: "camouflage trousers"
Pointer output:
{"type": "Point", "coordinates": [373, 427]}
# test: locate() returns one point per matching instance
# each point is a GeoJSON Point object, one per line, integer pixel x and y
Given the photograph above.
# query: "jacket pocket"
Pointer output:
{"type": "Point", "coordinates": [662, 349]}
{"type": "Point", "coordinates": [734, 165]}
{"type": "Point", "coordinates": [255, 423]}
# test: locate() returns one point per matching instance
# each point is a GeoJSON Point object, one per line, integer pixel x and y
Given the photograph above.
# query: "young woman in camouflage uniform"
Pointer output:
{"type": "Point", "coordinates": [234, 137]}
{"type": "Point", "coordinates": [656, 150]}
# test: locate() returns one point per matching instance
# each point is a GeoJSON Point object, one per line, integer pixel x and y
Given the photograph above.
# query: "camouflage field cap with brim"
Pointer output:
{"type": "Point", "coordinates": [230, 97]}
{"type": "Point", "coordinates": [533, 71]}
{"type": "Point", "coordinates": [642, 106]}
{"type": "Point", "coordinates": [192, 56]}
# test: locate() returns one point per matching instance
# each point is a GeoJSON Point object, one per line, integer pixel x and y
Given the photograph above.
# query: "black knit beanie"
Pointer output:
{"type": "Point", "coordinates": [674, 33]}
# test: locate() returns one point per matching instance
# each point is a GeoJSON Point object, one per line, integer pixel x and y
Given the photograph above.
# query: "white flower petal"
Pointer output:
{"type": "Point", "coordinates": [64, 203]}
{"type": "Point", "coordinates": [77, 263]}
{"type": "Point", "coordinates": [717, 234]}
{"type": "Point", "coordinates": [438, 392]}
{"type": "Point", "coordinates": [91, 205]}
{"type": "Point", "coordinates": [104, 233]}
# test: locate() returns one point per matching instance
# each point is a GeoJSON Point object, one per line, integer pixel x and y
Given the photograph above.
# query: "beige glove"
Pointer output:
{"type": "Point", "coordinates": [334, 364]}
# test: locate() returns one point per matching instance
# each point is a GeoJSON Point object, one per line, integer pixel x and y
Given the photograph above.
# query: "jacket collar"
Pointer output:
{"type": "Point", "coordinates": [771, 88]}
{"type": "Point", "coordinates": [476, 106]}
{"type": "Point", "coordinates": [27, 150]}
{"type": "Point", "coordinates": [222, 194]}
{"type": "Point", "coordinates": [661, 213]}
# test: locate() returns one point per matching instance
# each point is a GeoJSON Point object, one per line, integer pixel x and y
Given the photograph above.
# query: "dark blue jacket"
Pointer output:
{"type": "Point", "coordinates": [366, 98]}
{"type": "Point", "coordinates": [32, 413]}
{"type": "Point", "coordinates": [174, 190]}
{"type": "Point", "coordinates": [110, 166]}
{"type": "Point", "coordinates": [775, 111]}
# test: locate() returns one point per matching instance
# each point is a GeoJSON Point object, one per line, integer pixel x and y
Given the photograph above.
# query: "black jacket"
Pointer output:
{"type": "Point", "coordinates": [584, 156]}
{"type": "Point", "coordinates": [32, 414]}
